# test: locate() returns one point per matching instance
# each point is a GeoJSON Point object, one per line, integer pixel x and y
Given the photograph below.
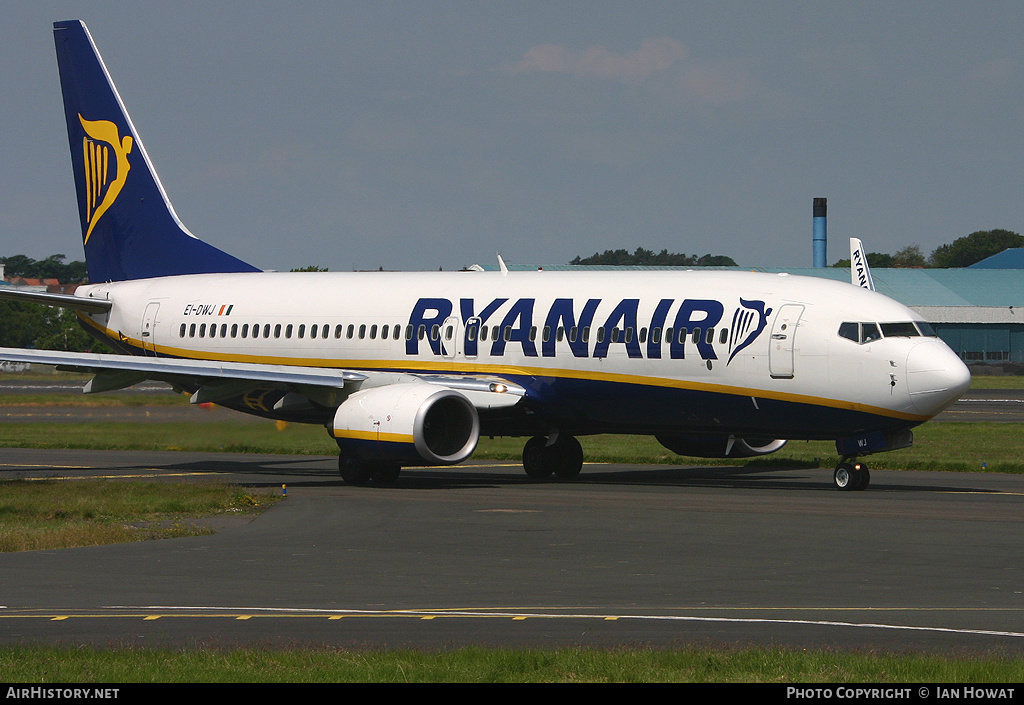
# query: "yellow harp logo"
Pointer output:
{"type": "Point", "coordinates": [101, 190]}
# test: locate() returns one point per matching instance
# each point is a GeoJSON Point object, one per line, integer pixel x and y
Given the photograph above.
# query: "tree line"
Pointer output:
{"type": "Point", "coordinates": [24, 325]}
{"type": "Point", "coordinates": [648, 258]}
{"type": "Point", "coordinates": [53, 267]}
{"type": "Point", "coordinates": [962, 252]}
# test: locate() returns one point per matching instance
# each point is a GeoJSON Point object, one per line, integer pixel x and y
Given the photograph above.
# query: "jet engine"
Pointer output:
{"type": "Point", "coordinates": [720, 446]}
{"type": "Point", "coordinates": [413, 422]}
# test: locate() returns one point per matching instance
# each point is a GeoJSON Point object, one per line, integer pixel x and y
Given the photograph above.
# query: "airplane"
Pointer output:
{"type": "Point", "coordinates": [411, 368]}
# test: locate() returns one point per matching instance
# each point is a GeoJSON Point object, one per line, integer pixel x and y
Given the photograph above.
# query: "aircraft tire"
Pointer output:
{"type": "Point", "coordinates": [384, 474]}
{"type": "Point", "coordinates": [851, 477]}
{"type": "Point", "coordinates": [536, 460]}
{"type": "Point", "coordinates": [568, 457]}
{"type": "Point", "coordinates": [354, 471]}
{"type": "Point", "coordinates": [865, 477]}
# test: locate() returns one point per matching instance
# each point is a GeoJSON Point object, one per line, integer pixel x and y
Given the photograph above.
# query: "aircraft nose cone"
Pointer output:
{"type": "Point", "coordinates": [936, 376]}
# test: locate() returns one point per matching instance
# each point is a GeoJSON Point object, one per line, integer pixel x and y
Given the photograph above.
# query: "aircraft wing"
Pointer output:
{"type": "Point", "coordinates": [217, 380]}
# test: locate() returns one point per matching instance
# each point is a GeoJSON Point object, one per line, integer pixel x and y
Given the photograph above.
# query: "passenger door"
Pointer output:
{"type": "Point", "coordinates": [783, 341]}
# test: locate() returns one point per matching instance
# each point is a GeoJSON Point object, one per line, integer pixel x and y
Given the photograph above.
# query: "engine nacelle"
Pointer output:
{"type": "Point", "coordinates": [720, 446]}
{"type": "Point", "coordinates": [414, 422]}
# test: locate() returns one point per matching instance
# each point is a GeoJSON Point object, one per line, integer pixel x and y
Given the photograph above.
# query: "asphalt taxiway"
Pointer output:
{"type": "Point", "coordinates": [653, 555]}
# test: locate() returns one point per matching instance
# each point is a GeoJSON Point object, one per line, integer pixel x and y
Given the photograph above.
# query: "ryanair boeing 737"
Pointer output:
{"type": "Point", "coordinates": [408, 368]}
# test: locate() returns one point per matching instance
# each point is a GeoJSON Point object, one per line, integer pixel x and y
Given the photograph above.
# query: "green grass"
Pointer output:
{"type": "Point", "coordinates": [960, 447]}
{"type": "Point", "coordinates": [997, 382]}
{"type": "Point", "coordinates": [49, 514]}
{"type": "Point", "coordinates": [479, 665]}
{"type": "Point", "coordinates": [106, 511]}
{"type": "Point", "coordinates": [95, 400]}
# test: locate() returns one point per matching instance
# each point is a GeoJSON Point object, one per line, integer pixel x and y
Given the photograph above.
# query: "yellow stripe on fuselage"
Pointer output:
{"type": "Point", "coordinates": [432, 366]}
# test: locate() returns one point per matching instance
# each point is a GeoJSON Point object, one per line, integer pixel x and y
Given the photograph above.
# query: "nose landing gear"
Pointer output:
{"type": "Point", "coordinates": [851, 475]}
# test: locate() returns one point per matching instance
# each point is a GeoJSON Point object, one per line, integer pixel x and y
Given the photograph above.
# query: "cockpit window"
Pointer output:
{"type": "Point", "coordinates": [859, 332]}
{"type": "Point", "coordinates": [900, 330]}
{"type": "Point", "coordinates": [926, 329]}
{"type": "Point", "coordinates": [867, 332]}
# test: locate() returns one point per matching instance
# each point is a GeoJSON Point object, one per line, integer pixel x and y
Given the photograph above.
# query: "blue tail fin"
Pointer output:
{"type": "Point", "coordinates": [129, 228]}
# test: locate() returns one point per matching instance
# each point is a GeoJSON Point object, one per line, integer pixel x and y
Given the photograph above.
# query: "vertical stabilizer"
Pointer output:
{"type": "Point", "coordinates": [860, 274]}
{"type": "Point", "coordinates": [129, 229]}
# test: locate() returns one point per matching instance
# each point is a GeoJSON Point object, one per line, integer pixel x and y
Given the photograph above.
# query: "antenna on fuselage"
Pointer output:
{"type": "Point", "coordinates": [501, 263]}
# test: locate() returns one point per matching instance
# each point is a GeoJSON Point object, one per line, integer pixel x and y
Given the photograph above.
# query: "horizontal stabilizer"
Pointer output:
{"type": "Point", "coordinates": [78, 303]}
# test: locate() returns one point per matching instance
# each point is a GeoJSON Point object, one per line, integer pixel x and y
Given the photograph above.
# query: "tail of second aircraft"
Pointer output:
{"type": "Point", "coordinates": [129, 228]}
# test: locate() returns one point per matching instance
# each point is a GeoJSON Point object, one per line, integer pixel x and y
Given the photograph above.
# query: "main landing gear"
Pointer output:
{"type": "Point", "coordinates": [851, 475]}
{"type": "Point", "coordinates": [356, 471]}
{"type": "Point", "coordinates": [558, 455]}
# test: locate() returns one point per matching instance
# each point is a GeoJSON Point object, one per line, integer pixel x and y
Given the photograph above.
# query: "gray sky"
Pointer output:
{"type": "Point", "coordinates": [419, 135]}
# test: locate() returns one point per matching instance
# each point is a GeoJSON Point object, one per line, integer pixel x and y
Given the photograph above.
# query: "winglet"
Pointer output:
{"type": "Point", "coordinates": [860, 273]}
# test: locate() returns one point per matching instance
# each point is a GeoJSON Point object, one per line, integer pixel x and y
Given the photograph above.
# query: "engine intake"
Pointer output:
{"type": "Point", "coordinates": [414, 422]}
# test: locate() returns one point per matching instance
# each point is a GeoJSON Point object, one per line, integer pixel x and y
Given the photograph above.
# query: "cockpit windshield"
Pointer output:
{"type": "Point", "coordinates": [865, 332]}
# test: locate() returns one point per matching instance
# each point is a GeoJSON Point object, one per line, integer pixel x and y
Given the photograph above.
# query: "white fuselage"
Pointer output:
{"type": "Point", "coordinates": [589, 346]}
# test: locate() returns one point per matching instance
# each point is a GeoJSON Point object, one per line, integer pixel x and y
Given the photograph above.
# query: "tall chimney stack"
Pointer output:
{"type": "Point", "coordinates": [820, 234]}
